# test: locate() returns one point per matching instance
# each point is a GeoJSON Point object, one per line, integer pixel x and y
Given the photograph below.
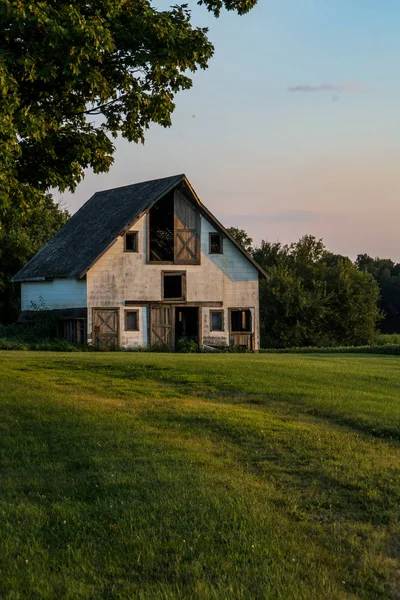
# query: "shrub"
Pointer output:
{"type": "Point", "coordinates": [187, 346]}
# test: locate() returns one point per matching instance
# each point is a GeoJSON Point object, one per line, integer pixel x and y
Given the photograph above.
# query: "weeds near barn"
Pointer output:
{"type": "Point", "coordinates": [175, 476]}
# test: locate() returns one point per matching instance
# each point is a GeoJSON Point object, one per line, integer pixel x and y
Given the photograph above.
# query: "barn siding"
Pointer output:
{"type": "Point", "coordinates": [59, 293]}
{"type": "Point", "coordinates": [120, 276]}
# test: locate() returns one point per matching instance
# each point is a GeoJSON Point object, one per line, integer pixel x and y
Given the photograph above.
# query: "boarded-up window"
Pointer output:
{"type": "Point", "coordinates": [131, 320]}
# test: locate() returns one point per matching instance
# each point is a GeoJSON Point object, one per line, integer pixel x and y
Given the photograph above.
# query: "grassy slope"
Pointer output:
{"type": "Point", "coordinates": [230, 476]}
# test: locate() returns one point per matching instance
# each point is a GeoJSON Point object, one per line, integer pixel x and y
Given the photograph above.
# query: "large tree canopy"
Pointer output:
{"type": "Point", "coordinates": [63, 63]}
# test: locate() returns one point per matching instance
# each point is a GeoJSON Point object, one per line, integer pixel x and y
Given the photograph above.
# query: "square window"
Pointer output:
{"type": "Point", "coordinates": [217, 320]}
{"type": "Point", "coordinates": [174, 285]}
{"type": "Point", "coordinates": [241, 321]}
{"type": "Point", "coordinates": [131, 241]}
{"type": "Point", "coordinates": [131, 320]}
{"type": "Point", "coordinates": [216, 243]}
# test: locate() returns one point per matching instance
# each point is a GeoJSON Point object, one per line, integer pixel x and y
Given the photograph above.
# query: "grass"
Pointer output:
{"type": "Point", "coordinates": [195, 476]}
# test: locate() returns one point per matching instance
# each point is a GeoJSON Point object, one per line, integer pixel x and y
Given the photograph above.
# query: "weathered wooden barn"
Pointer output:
{"type": "Point", "coordinates": [145, 264]}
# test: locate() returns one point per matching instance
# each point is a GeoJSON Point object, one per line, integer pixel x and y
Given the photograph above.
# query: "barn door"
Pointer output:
{"type": "Point", "coordinates": [105, 328]}
{"type": "Point", "coordinates": [187, 232]}
{"type": "Point", "coordinates": [161, 326]}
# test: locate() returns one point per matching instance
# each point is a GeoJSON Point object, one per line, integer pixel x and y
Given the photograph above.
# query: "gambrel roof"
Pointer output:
{"type": "Point", "coordinates": [97, 224]}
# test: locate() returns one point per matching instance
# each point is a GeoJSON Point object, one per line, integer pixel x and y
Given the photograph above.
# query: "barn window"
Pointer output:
{"type": "Point", "coordinates": [161, 230]}
{"type": "Point", "coordinates": [216, 243]}
{"type": "Point", "coordinates": [216, 320]}
{"type": "Point", "coordinates": [173, 285]}
{"type": "Point", "coordinates": [131, 320]}
{"type": "Point", "coordinates": [131, 241]}
{"type": "Point", "coordinates": [241, 321]}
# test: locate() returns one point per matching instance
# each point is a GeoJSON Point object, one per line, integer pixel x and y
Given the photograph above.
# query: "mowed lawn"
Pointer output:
{"type": "Point", "coordinates": [196, 476]}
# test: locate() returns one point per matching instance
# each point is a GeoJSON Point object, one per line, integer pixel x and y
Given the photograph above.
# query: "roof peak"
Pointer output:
{"type": "Point", "coordinates": [142, 183]}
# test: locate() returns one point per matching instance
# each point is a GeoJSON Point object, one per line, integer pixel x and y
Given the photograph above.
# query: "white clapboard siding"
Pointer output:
{"type": "Point", "coordinates": [55, 294]}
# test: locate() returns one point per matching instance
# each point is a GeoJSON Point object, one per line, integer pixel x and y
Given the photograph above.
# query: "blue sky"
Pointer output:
{"type": "Point", "coordinates": [294, 128]}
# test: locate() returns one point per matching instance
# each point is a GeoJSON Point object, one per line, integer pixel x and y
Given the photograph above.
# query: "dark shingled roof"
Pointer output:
{"type": "Point", "coordinates": [93, 228]}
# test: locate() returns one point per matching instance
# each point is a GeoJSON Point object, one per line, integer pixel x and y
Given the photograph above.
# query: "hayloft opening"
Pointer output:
{"type": "Point", "coordinates": [161, 230]}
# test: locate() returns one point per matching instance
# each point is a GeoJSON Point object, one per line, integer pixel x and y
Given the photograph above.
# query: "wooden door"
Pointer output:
{"type": "Point", "coordinates": [105, 328]}
{"type": "Point", "coordinates": [187, 232]}
{"type": "Point", "coordinates": [162, 326]}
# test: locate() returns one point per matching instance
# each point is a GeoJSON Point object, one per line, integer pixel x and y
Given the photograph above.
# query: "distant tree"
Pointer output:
{"type": "Point", "coordinates": [64, 63]}
{"type": "Point", "coordinates": [242, 237]}
{"type": "Point", "coordinates": [387, 274]}
{"type": "Point", "coordinates": [21, 236]}
{"type": "Point", "coordinates": [313, 297]}
{"type": "Point", "coordinates": [353, 313]}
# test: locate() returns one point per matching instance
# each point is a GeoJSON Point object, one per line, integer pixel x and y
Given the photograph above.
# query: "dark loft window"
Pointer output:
{"type": "Point", "coordinates": [217, 320]}
{"type": "Point", "coordinates": [215, 243]}
{"type": "Point", "coordinates": [161, 230]}
{"type": "Point", "coordinates": [241, 321]}
{"type": "Point", "coordinates": [132, 320]}
{"type": "Point", "coordinates": [131, 241]}
{"type": "Point", "coordinates": [173, 286]}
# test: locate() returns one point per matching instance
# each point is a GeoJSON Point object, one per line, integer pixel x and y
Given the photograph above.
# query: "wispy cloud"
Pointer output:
{"type": "Point", "coordinates": [325, 87]}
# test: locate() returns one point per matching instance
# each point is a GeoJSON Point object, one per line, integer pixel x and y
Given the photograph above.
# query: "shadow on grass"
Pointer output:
{"type": "Point", "coordinates": [297, 464]}
{"type": "Point", "coordinates": [217, 387]}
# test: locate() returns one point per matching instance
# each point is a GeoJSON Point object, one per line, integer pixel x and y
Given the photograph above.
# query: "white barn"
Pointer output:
{"type": "Point", "coordinates": [146, 264]}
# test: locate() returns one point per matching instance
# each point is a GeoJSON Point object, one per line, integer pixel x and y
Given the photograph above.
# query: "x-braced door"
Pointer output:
{"type": "Point", "coordinates": [187, 232]}
{"type": "Point", "coordinates": [161, 326]}
{"type": "Point", "coordinates": [105, 328]}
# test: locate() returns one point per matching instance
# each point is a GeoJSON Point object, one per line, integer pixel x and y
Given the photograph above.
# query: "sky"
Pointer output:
{"type": "Point", "coordinates": [293, 129]}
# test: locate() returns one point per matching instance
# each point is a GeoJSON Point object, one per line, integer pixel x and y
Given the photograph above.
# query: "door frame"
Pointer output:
{"type": "Point", "coordinates": [199, 321]}
{"type": "Point", "coordinates": [173, 306]}
{"type": "Point", "coordinates": [115, 308]}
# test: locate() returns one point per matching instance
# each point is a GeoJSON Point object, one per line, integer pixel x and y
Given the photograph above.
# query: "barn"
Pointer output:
{"type": "Point", "coordinates": [145, 264]}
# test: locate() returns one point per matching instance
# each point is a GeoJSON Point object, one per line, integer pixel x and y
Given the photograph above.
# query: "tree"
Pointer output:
{"type": "Point", "coordinates": [387, 274]}
{"type": "Point", "coordinates": [353, 313]}
{"type": "Point", "coordinates": [242, 237]}
{"type": "Point", "coordinates": [312, 297]}
{"type": "Point", "coordinates": [21, 236]}
{"type": "Point", "coordinates": [74, 73]}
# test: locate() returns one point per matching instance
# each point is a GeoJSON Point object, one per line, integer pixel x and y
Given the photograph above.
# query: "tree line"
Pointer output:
{"type": "Point", "coordinates": [312, 297]}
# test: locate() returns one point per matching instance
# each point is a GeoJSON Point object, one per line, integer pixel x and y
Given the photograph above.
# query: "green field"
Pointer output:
{"type": "Point", "coordinates": [195, 477]}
